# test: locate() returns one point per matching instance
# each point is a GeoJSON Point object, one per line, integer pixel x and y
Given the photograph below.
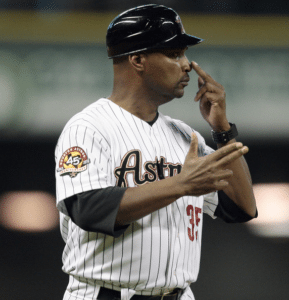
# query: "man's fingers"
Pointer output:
{"type": "Point", "coordinates": [228, 159]}
{"type": "Point", "coordinates": [207, 87]}
{"type": "Point", "coordinates": [201, 82]}
{"type": "Point", "coordinates": [193, 151]}
{"type": "Point", "coordinates": [223, 174]}
{"type": "Point", "coordinates": [221, 185]}
{"type": "Point", "coordinates": [226, 150]}
{"type": "Point", "coordinates": [222, 178]}
{"type": "Point", "coordinates": [205, 76]}
{"type": "Point", "coordinates": [200, 93]}
{"type": "Point", "coordinates": [199, 71]}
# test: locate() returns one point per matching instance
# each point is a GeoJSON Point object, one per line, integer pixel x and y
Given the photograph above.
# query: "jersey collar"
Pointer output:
{"type": "Point", "coordinates": [151, 123]}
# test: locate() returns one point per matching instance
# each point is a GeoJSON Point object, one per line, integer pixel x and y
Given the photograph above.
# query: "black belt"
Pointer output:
{"type": "Point", "coordinates": [107, 294]}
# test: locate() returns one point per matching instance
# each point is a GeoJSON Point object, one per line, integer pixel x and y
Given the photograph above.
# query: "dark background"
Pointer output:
{"type": "Point", "coordinates": [199, 6]}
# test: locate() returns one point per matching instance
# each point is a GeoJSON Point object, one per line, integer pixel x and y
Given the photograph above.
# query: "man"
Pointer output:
{"type": "Point", "coordinates": [132, 184]}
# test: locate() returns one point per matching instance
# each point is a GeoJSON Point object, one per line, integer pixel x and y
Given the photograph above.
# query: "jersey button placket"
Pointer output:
{"type": "Point", "coordinates": [155, 143]}
{"type": "Point", "coordinates": [159, 151]}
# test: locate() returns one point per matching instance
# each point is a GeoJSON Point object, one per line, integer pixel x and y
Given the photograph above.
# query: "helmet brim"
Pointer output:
{"type": "Point", "coordinates": [178, 41]}
{"type": "Point", "coordinates": [181, 41]}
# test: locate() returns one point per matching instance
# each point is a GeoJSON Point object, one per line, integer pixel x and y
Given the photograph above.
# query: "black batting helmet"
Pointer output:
{"type": "Point", "coordinates": [146, 27]}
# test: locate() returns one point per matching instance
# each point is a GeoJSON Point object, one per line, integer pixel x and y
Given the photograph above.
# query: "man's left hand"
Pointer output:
{"type": "Point", "coordinates": [212, 97]}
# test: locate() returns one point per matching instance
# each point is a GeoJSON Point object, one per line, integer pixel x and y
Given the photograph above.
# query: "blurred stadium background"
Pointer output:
{"type": "Point", "coordinates": [53, 63]}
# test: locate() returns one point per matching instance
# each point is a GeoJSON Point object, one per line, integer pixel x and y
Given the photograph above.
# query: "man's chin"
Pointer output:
{"type": "Point", "coordinates": [179, 93]}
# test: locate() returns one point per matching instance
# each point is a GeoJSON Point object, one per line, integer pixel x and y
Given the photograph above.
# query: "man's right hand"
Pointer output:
{"type": "Point", "coordinates": [203, 175]}
{"type": "Point", "coordinates": [199, 176]}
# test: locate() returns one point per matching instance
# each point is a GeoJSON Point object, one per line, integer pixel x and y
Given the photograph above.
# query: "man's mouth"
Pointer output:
{"type": "Point", "coordinates": [185, 80]}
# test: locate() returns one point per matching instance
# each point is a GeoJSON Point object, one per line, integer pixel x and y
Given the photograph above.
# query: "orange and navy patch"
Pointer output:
{"type": "Point", "coordinates": [73, 161]}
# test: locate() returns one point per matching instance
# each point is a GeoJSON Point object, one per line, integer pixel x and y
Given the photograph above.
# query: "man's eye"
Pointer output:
{"type": "Point", "coordinates": [176, 55]}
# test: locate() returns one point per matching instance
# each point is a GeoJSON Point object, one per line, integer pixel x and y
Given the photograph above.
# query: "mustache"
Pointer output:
{"type": "Point", "coordinates": [186, 78]}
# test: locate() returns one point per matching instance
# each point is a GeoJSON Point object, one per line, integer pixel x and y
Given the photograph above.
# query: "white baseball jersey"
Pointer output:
{"type": "Point", "coordinates": [104, 146]}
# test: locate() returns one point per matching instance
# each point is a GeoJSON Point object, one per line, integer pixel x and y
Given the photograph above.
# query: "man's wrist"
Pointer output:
{"type": "Point", "coordinates": [225, 136]}
{"type": "Point", "coordinates": [221, 127]}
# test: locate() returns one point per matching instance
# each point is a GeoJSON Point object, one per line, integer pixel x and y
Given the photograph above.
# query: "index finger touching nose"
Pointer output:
{"type": "Point", "coordinates": [199, 70]}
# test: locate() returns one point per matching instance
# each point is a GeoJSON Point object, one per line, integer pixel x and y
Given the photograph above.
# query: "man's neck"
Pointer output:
{"type": "Point", "coordinates": [142, 107]}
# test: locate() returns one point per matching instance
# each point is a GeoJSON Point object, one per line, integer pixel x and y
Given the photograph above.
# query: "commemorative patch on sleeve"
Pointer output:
{"type": "Point", "coordinates": [73, 161]}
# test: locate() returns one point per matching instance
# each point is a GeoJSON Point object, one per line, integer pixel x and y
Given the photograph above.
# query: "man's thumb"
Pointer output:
{"type": "Point", "coordinates": [193, 151]}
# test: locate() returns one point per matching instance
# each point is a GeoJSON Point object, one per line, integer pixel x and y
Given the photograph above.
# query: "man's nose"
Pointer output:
{"type": "Point", "coordinates": [187, 66]}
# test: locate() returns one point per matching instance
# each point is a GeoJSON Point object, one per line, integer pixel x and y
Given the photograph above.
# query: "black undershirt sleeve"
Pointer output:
{"type": "Point", "coordinates": [96, 210]}
{"type": "Point", "coordinates": [231, 212]}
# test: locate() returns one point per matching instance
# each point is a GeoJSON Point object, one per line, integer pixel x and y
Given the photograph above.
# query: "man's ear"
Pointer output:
{"type": "Point", "coordinates": [137, 61]}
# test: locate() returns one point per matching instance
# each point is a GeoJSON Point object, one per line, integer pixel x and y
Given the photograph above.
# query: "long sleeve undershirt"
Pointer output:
{"type": "Point", "coordinates": [96, 210]}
